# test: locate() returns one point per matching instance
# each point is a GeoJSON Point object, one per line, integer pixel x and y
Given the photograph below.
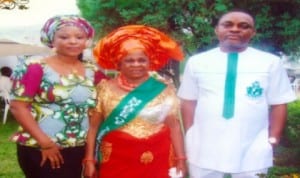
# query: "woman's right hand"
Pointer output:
{"type": "Point", "coordinates": [49, 150]}
{"type": "Point", "coordinates": [52, 153]}
{"type": "Point", "coordinates": [89, 169]}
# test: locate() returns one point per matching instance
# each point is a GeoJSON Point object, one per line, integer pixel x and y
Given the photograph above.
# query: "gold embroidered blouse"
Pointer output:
{"type": "Point", "coordinates": [150, 119]}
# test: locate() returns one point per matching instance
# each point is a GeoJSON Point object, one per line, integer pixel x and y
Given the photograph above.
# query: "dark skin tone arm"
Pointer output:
{"type": "Point", "coordinates": [187, 112]}
{"type": "Point", "coordinates": [177, 141]}
{"type": "Point", "coordinates": [49, 150]}
{"type": "Point", "coordinates": [89, 164]}
{"type": "Point", "coordinates": [278, 117]}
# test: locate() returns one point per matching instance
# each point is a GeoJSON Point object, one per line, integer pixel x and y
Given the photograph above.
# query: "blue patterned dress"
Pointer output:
{"type": "Point", "coordinates": [59, 103]}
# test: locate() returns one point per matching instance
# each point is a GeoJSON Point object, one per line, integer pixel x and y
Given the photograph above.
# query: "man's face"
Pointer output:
{"type": "Point", "coordinates": [234, 31]}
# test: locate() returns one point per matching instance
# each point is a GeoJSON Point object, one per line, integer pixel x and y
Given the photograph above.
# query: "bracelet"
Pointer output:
{"type": "Point", "coordinates": [84, 161]}
{"type": "Point", "coordinates": [180, 158]}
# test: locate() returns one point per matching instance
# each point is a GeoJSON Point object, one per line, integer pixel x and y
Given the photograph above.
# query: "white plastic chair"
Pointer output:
{"type": "Point", "coordinates": [6, 107]}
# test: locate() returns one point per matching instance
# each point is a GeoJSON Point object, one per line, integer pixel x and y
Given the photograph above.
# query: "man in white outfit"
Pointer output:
{"type": "Point", "coordinates": [234, 104]}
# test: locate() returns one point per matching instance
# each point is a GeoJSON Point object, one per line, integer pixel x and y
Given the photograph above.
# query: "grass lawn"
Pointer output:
{"type": "Point", "coordinates": [9, 167]}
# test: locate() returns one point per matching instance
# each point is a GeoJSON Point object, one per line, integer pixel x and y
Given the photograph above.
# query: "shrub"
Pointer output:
{"type": "Point", "coordinates": [287, 154]}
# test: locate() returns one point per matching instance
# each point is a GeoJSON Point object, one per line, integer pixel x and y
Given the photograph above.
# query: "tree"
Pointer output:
{"type": "Point", "coordinates": [191, 22]}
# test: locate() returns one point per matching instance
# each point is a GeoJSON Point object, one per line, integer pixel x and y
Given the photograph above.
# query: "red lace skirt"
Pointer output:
{"type": "Point", "coordinates": [124, 156]}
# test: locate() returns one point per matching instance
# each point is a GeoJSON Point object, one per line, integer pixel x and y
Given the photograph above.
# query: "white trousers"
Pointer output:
{"type": "Point", "coordinates": [196, 172]}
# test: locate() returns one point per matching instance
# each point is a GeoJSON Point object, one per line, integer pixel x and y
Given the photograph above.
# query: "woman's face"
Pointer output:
{"type": "Point", "coordinates": [70, 41]}
{"type": "Point", "coordinates": [135, 65]}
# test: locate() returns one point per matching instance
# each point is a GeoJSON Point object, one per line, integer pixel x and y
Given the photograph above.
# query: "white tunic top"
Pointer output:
{"type": "Point", "coordinates": [241, 143]}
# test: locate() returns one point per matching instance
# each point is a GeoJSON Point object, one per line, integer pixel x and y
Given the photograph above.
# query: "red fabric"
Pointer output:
{"type": "Point", "coordinates": [99, 76]}
{"type": "Point", "coordinates": [126, 151]}
{"type": "Point", "coordinates": [159, 47]}
{"type": "Point", "coordinates": [32, 79]}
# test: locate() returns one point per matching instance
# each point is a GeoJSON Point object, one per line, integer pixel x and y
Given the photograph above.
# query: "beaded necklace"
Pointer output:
{"type": "Point", "coordinates": [124, 84]}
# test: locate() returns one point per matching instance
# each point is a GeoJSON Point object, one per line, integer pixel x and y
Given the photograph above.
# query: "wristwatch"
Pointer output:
{"type": "Point", "coordinates": [273, 140]}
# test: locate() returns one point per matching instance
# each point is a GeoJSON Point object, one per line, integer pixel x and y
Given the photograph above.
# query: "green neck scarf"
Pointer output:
{"type": "Point", "coordinates": [229, 90]}
{"type": "Point", "coordinates": [130, 106]}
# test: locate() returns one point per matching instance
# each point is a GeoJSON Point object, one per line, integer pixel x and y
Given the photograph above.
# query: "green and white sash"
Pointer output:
{"type": "Point", "coordinates": [129, 107]}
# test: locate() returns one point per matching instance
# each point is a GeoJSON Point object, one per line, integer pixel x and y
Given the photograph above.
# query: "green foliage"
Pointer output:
{"type": "Point", "coordinates": [287, 154]}
{"type": "Point", "coordinates": [9, 167]}
{"type": "Point", "coordinates": [291, 137]}
{"type": "Point", "coordinates": [289, 27]}
{"type": "Point", "coordinates": [283, 172]}
{"type": "Point", "coordinates": [192, 22]}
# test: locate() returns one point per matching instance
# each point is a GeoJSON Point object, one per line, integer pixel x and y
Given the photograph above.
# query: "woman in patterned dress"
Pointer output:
{"type": "Point", "coordinates": [50, 98]}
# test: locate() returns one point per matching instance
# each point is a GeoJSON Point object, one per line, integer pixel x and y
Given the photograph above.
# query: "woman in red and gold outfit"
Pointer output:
{"type": "Point", "coordinates": [136, 121]}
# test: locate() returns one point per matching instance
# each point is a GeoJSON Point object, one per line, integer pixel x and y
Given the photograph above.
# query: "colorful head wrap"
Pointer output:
{"type": "Point", "coordinates": [156, 45]}
{"type": "Point", "coordinates": [55, 23]}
